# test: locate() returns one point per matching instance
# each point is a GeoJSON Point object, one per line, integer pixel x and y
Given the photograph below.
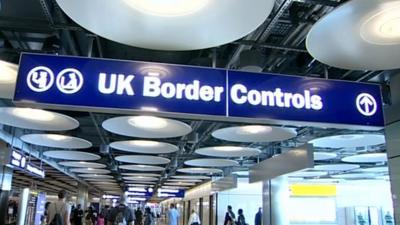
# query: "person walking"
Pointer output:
{"type": "Point", "coordinates": [148, 217]}
{"type": "Point", "coordinates": [229, 217]}
{"type": "Point", "coordinates": [194, 219]}
{"type": "Point", "coordinates": [59, 211]}
{"type": "Point", "coordinates": [121, 214]}
{"type": "Point", "coordinates": [78, 215]}
{"type": "Point", "coordinates": [258, 217]}
{"type": "Point", "coordinates": [240, 220]}
{"type": "Point", "coordinates": [173, 215]}
{"type": "Point", "coordinates": [138, 216]}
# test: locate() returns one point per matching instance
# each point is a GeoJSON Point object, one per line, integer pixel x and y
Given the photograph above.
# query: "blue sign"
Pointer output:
{"type": "Point", "coordinates": [40, 208]}
{"type": "Point", "coordinates": [170, 193]}
{"type": "Point", "coordinates": [116, 85]}
{"type": "Point", "coordinates": [19, 161]}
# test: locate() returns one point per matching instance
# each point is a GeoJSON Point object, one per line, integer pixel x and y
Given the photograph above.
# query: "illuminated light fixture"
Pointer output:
{"type": "Point", "coordinates": [33, 114]}
{"type": "Point", "coordinates": [383, 28]}
{"type": "Point", "coordinates": [228, 148]}
{"type": "Point", "coordinates": [347, 137]}
{"type": "Point", "coordinates": [348, 141]}
{"type": "Point", "coordinates": [144, 143]}
{"type": "Point", "coordinates": [169, 19]}
{"type": "Point", "coordinates": [151, 109]}
{"type": "Point", "coordinates": [8, 72]}
{"type": "Point", "coordinates": [56, 137]}
{"type": "Point", "coordinates": [148, 122]}
{"type": "Point", "coordinates": [167, 8]}
{"type": "Point", "coordinates": [255, 129]}
{"type": "Point", "coordinates": [370, 26]}
{"type": "Point", "coordinates": [254, 133]}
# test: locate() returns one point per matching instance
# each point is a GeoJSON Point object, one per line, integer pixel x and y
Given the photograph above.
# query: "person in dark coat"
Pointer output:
{"type": "Point", "coordinates": [229, 217]}
{"type": "Point", "coordinates": [138, 216]}
{"type": "Point", "coordinates": [258, 217]}
{"type": "Point", "coordinates": [241, 220]}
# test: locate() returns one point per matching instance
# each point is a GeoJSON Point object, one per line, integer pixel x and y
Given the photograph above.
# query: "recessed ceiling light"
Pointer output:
{"type": "Point", "coordinates": [228, 148]}
{"type": "Point", "coordinates": [56, 137]}
{"type": "Point", "coordinates": [167, 8]}
{"type": "Point", "coordinates": [148, 122]}
{"type": "Point", "coordinates": [383, 28]}
{"type": "Point", "coordinates": [33, 114]}
{"type": "Point", "coordinates": [144, 143]}
{"type": "Point", "coordinates": [255, 129]}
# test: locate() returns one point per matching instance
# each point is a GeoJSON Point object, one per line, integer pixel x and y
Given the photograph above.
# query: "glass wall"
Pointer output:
{"type": "Point", "coordinates": [246, 196]}
{"type": "Point", "coordinates": [355, 202]}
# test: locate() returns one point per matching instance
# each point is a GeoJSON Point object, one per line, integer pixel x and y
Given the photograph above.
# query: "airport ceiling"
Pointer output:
{"type": "Point", "coordinates": [278, 45]}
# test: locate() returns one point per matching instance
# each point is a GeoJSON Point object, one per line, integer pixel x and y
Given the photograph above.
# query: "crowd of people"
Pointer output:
{"type": "Point", "coordinates": [60, 213]}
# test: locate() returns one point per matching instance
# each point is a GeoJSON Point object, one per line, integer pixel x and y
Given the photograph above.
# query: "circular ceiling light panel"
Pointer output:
{"type": "Point", "coordinates": [138, 178]}
{"type": "Point", "coordinates": [308, 174]}
{"type": "Point", "coordinates": [255, 133]}
{"type": "Point", "coordinates": [90, 170]}
{"type": "Point", "coordinates": [194, 170]}
{"type": "Point", "coordinates": [82, 164]}
{"type": "Point", "coordinates": [381, 169]}
{"type": "Point", "coordinates": [211, 163]}
{"type": "Point", "coordinates": [366, 158]}
{"type": "Point", "coordinates": [173, 187]}
{"type": "Point", "coordinates": [8, 79]}
{"type": "Point", "coordinates": [191, 177]}
{"type": "Point", "coordinates": [99, 180]}
{"type": "Point", "coordinates": [144, 147]}
{"type": "Point", "coordinates": [56, 141]}
{"type": "Point", "coordinates": [139, 182]}
{"type": "Point", "coordinates": [321, 156]}
{"type": "Point", "coordinates": [143, 168]}
{"type": "Point", "coordinates": [72, 155]}
{"type": "Point", "coordinates": [211, 23]}
{"type": "Point", "coordinates": [183, 180]}
{"type": "Point", "coordinates": [142, 159]}
{"type": "Point", "coordinates": [336, 167]}
{"type": "Point", "coordinates": [179, 184]}
{"type": "Point", "coordinates": [228, 151]}
{"type": "Point", "coordinates": [139, 185]}
{"type": "Point", "coordinates": [355, 176]}
{"type": "Point", "coordinates": [348, 141]}
{"type": "Point", "coordinates": [108, 184]}
{"type": "Point", "coordinates": [370, 26]}
{"type": "Point", "coordinates": [142, 174]}
{"type": "Point", "coordinates": [98, 176]}
{"type": "Point", "coordinates": [36, 119]}
{"type": "Point", "coordinates": [146, 127]}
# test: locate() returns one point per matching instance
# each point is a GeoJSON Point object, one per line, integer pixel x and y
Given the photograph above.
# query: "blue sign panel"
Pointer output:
{"type": "Point", "coordinates": [19, 161]}
{"type": "Point", "coordinates": [40, 207]}
{"type": "Point", "coordinates": [170, 193]}
{"type": "Point", "coordinates": [116, 85]}
{"type": "Point", "coordinates": [278, 97]}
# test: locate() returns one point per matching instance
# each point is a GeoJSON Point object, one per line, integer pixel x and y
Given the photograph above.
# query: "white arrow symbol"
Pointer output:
{"type": "Point", "coordinates": [366, 102]}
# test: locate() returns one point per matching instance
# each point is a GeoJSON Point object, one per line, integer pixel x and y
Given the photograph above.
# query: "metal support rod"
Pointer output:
{"type": "Point", "coordinates": [90, 46]}
{"type": "Point", "coordinates": [270, 46]}
{"type": "Point", "coordinates": [214, 58]}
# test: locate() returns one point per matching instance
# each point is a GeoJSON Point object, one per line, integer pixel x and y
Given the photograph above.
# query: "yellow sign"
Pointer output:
{"type": "Point", "coordinates": [324, 190]}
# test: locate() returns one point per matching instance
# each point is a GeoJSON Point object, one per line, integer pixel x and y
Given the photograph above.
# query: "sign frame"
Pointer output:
{"type": "Point", "coordinates": [200, 116]}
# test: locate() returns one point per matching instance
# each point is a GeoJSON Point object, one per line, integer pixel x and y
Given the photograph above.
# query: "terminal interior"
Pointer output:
{"type": "Point", "coordinates": [202, 163]}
